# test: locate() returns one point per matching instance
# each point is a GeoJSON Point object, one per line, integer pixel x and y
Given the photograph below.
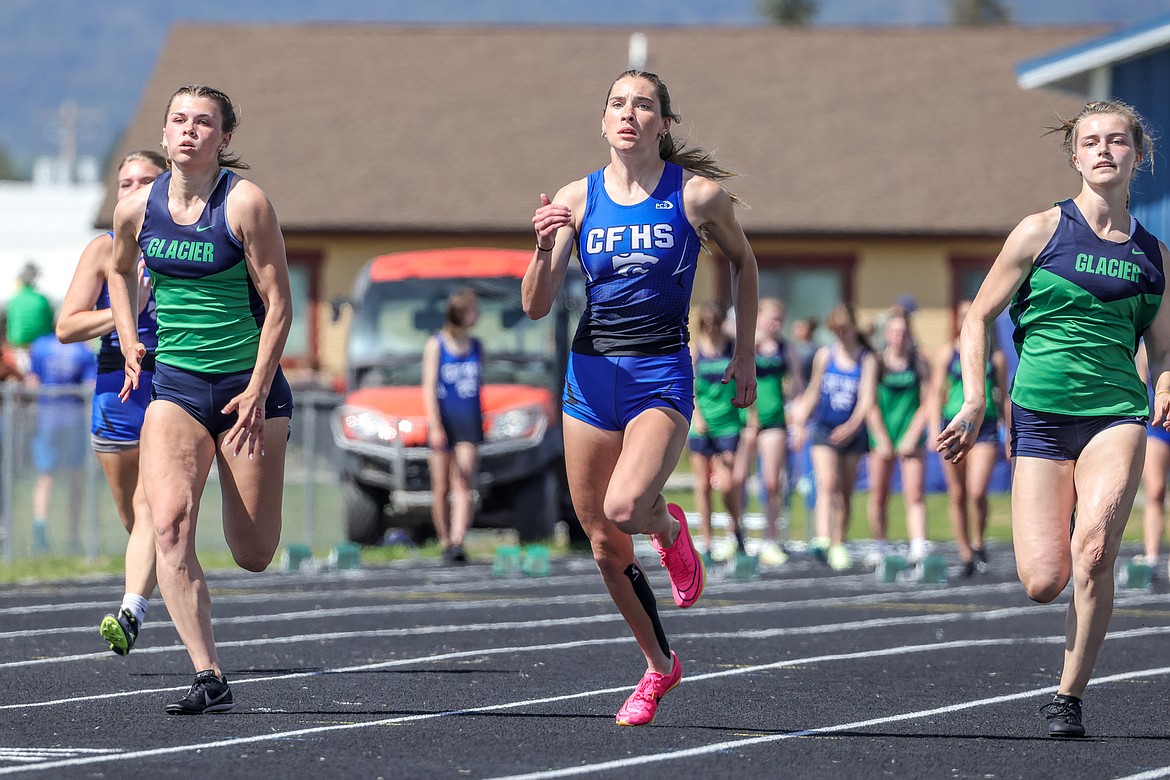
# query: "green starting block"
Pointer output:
{"type": "Point", "coordinates": [507, 561]}
{"type": "Point", "coordinates": [536, 561]}
{"type": "Point", "coordinates": [890, 567]}
{"type": "Point", "coordinates": [294, 556]}
{"type": "Point", "coordinates": [743, 566]}
{"type": "Point", "coordinates": [345, 556]}
{"type": "Point", "coordinates": [1136, 574]}
{"type": "Point", "coordinates": [933, 570]}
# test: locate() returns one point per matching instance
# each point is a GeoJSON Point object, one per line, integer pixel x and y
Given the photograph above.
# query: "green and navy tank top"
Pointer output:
{"type": "Point", "coordinates": [209, 312]}
{"type": "Point", "coordinates": [899, 395]}
{"type": "Point", "coordinates": [954, 400]}
{"type": "Point", "coordinates": [1079, 316]}
{"type": "Point", "coordinates": [639, 265]}
{"type": "Point", "coordinates": [771, 368]}
{"type": "Point", "coordinates": [713, 398]}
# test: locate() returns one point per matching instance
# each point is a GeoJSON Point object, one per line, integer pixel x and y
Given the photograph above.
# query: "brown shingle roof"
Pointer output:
{"type": "Point", "coordinates": [416, 129]}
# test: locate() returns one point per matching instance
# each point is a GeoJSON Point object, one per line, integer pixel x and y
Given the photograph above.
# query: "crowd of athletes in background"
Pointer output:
{"type": "Point", "coordinates": [759, 454]}
{"type": "Point", "coordinates": [820, 417]}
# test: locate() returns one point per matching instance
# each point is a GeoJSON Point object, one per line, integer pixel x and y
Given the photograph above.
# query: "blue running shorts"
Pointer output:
{"type": "Point", "coordinates": [116, 425]}
{"type": "Point", "coordinates": [609, 391]}
{"type": "Point", "coordinates": [709, 446]}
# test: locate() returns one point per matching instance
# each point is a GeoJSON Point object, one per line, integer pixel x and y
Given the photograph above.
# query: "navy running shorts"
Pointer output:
{"type": "Point", "coordinates": [203, 396]}
{"type": "Point", "coordinates": [462, 427]}
{"type": "Point", "coordinates": [1055, 436]}
{"type": "Point", "coordinates": [609, 391]}
{"type": "Point", "coordinates": [858, 445]}
{"type": "Point", "coordinates": [709, 446]}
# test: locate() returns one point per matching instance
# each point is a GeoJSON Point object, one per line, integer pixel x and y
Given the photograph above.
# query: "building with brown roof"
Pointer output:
{"type": "Point", "coordinates": [877, 162]}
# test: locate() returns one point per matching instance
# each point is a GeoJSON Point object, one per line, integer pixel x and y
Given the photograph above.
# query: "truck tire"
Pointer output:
{"type": "Point", "coordinates": [364, 519]}
{"type": "Point", "coordinates": [538, 506]}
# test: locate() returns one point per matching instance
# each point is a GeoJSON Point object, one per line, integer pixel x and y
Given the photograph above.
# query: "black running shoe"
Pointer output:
{"type": "Point", "coordinates": [1063, 714]}
{"type": "Point", "coordinates": [980, 559]}
{"type": "Point", "coordinates": [207, 694]}
{"type": "Point", "coordinates": [967, 567]}
{"type": "Point", "coordinates": [120, 630]}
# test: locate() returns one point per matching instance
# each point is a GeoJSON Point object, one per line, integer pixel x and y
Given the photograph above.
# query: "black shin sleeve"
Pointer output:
{"type": "Point", "coordinates": [646, 596]}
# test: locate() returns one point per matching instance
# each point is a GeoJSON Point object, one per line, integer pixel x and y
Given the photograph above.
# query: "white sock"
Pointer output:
{"type": "Point", "coordinates": [136, 605]}
{"type": "Point", "coordinates": [917, 548]}
{"type": "Point", "coordinates": [879, 547]}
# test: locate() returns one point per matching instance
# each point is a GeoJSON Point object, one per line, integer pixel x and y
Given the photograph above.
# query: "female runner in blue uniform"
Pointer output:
{"type": "Point", "coordinates": [452, 375]}
{"type": "Point", "coordinates": [85, 315]}
{"type": "Point", "coordinates": [219, 273]}
{"type": "Point", "coordinates": [629, 393]}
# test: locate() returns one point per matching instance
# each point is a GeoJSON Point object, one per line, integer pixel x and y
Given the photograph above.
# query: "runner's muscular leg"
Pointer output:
{"type": "Point", "coordinates": [176, 456]}
{"type": "Point", "coordinates": [253, 491]}
{"type": "Point", "coordinates": [591, 455]}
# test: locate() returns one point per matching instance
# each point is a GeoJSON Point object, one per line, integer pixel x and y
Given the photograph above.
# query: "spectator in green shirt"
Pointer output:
{"type": "Point", "coordinates": [29, 315]}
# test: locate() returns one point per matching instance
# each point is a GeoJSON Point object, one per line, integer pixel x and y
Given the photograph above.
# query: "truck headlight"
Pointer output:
{"type": "Point", "coordinates": [367, 426]}
{"type": "Point", "coordinates": [524, 422]}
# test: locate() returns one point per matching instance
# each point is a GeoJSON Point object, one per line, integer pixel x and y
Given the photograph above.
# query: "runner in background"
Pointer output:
{"type": "Point", "coordinates": [116, 426]}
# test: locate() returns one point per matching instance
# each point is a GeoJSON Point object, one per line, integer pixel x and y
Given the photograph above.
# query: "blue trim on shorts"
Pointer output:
{"type": "Point", "coordinates": [1053, 436]}
{"type": "Point", "coordinates": [709, 446]}
{"type": "Point", "coordinates": [203, 396]}
{"type": "Point", "coordinates": [608, 392]}
{"type": "Point", "coordinates": [112, 419]}
{"type": "Point", "coordinates": [858, 445]}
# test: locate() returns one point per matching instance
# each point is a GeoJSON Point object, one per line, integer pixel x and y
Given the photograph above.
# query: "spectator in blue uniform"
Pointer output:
{"type": "Point", "coordinates": [452, 378]}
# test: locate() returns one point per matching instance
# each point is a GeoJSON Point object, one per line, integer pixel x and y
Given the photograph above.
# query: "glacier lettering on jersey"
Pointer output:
{"type": "Point", "coordinates": [632, 238]}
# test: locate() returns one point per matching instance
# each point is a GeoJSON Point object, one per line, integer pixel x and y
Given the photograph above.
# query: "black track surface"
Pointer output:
{"type": "Point", "coordinates": [416, 670]}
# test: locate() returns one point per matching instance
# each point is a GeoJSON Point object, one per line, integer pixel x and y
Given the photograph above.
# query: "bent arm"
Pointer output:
{"type": "Point", "coordinates": [555, 221]}
{"type": "Point", "coordinates": [78, 320]}
{"type": "Point", "coordinates": [259, 230]}
{"type": "Point", "coordinates": [122, 274]}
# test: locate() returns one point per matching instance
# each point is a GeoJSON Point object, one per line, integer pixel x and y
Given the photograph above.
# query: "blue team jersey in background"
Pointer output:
{"type": "Point", "coordinates": [61, 365]}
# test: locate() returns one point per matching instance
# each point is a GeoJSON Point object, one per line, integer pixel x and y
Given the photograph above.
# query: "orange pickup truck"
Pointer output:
{"type": "Point", "coordinates": [381, 427]}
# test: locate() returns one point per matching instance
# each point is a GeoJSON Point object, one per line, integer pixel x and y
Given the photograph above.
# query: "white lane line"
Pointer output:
{"type": "Point", "coordinates": [739, 744]}
{"type": "Point", "coordinates": [750, 607]}
{"type": "Point", "coordinates": [1149, 775]}
{"type": "Point", "coordinates": [36, 755]}
{"type": "Point", "coordinates": [909, 649]}
{"type": "Point", "coordinates": [276, 593]}
{"type": "Point", "coordinates": [693, 612]}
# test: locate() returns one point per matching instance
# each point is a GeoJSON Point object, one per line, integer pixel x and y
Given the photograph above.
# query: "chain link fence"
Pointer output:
{"type": "Point", "coordinates": [82, 519]}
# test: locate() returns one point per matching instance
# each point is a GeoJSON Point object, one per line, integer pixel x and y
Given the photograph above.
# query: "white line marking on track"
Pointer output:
{"type": "Point", "coordinates": [202, 746]}
{"type": "Point", "coordinates": [737, 744]}
{"type": "Point", "coordinates": [750, 607]}
{"type": "Point", "coordinates": [1152, 774]}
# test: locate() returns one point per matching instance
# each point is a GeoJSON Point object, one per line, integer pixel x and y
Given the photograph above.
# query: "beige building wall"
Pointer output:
{"type": "Point", "coordinates": [884, 271]}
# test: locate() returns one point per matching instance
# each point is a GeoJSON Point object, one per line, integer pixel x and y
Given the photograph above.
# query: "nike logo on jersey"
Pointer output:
{"type": "Point", "coordinates": [205, 227]}
{"type": "Point", "coordinates": [1138, 252]}
{"type": "Point", "coordinates": [664, 204]}
{"type": "Point", "coordinates": [633, 263]}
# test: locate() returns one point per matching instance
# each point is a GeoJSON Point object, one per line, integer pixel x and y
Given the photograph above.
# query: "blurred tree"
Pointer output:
{"type": "Point", "coordinates": [977, 13]}
{"type": "Point", "coordinates": [8, 171]}
{"type": "Point", "coordinates": [789, 11]}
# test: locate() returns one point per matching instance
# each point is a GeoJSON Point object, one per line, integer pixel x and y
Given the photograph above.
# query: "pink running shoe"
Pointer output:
{"type": "Point", "coordinates": [640, 708]}
{"type": "Point", "coordinates": [683, 562]}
